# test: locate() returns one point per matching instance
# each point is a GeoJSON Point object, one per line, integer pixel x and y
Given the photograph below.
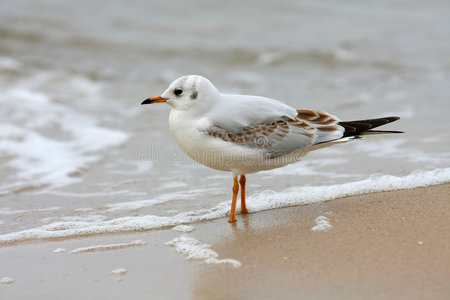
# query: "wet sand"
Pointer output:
{"type": "Point", "coordinates": [391, 245]}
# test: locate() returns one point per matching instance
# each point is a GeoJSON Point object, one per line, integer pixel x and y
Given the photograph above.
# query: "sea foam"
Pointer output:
{"type": "Point", "coordinates": [119, 271]}
{"type": "Point", "coordinates": [322, 224]}
{"type": "Point", "coordinates": [97, 248]}
{"type": "Point", "coordinates": [183, 228]}
{"type": "Point", "coordinates": [194, 249]}
{"type": "Point", "coordinates": [6, 280]}
{"type": "Point", "coordinates": [257, 202]}
{"type": "Point", "coordinates": [47, 141]}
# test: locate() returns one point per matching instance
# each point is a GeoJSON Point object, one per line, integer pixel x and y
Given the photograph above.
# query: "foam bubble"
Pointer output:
{"type": "Point", "coordinates": [59, 250]}
{"type": "Point", "coordinates": [6, 280]}
{"type": "Point", "coordinates": [119, 271]}
{"type": "Point", "coordinates": [96, 248]}
{"type": "Point", "coordinates": [322, 224]}
{"type": "Point", "coordinates": [183, 228]}
{"type": "Point", "coordinates": [194, 249]}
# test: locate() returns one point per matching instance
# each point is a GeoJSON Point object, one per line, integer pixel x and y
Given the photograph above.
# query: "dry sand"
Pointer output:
{"type": "Point", "coordinates": [392, 245]}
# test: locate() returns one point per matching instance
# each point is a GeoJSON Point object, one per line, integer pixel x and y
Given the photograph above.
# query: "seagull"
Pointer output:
{"type": "Point", "coordinates": [244, 134]}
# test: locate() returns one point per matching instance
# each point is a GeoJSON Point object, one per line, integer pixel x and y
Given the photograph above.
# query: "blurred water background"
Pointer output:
{"type": "Point", "coordinates": [77, 149]}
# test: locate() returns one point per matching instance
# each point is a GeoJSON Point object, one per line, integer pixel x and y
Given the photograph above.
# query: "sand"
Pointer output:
{"type": "Point", "coordinates": [391, 245]}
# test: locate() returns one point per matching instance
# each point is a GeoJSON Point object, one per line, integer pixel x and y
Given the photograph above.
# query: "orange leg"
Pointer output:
{"type": "Point", "coordinates": [243, 206]}
{"type": "Point", "coordinates": [233, 202]}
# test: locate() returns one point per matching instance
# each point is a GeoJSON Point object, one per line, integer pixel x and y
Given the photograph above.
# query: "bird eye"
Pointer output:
{"type": "Point", "coordinates": [178, 92]}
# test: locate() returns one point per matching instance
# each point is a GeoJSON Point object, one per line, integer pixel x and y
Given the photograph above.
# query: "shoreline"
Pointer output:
{"type": "Point", "coordinates": [256, 202]}
{"type": "Point", "coordinates": [381, 245]}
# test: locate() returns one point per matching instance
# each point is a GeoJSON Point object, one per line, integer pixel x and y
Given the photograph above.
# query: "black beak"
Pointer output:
{"type": "Point", "coordinates": [146, 101]}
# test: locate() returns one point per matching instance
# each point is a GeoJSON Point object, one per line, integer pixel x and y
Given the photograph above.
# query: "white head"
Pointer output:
{"type": "Point", "coordinates": [186, 92]}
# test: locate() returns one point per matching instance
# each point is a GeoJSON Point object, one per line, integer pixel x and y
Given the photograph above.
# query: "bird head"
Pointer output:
{"type": "Point", "coordinates": [186, 92]}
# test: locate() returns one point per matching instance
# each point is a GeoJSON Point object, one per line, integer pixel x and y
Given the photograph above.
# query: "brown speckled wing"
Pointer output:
{"type": "Point", "coordinates": [274, 138]}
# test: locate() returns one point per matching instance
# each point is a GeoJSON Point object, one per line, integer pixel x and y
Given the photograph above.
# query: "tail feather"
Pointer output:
{"type": "Point", "coordinates": [360, 127]}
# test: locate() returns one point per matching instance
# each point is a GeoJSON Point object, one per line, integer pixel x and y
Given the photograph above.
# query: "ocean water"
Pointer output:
{"type": "Point", "coordinates": [79, 155]}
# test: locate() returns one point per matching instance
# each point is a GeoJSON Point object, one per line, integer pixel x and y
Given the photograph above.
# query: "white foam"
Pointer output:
{"type": "Point", "coordinates": [322, 224]}
{"type": "Point", "coordinates": [376, 183]}
{"type": "Point", "coordinates": [96, 248]}
{"type": "Point", "coordinates": [59, 250]}
{"type": "Point", "coordinates": [257, 202]}
{"type": "Point", "coordinates": [6, 280]}
{"type": "Point", "coordinates": [194, 249]}
{"type": "Point", "coordinates": [183, 228]}
{"type": "Point", "coordinates": [49, 142]}
{"type": "Point", "coordinates": [119, 271]}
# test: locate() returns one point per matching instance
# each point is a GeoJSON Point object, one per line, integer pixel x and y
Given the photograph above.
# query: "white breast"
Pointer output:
{"type": "Point", "coordinates": [208, 151]}
{"type": "Point", "coordinates": [184, 130]}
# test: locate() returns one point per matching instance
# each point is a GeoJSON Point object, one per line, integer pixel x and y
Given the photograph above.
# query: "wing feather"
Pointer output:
{"type": "Point", "coordinates": [274, 139]}
{"type": "Point", "coordinates": [276, 132]}
{"type": "Point", "coordinates": [327, 126]}
{"type": "Point", "coordinates": [284, 135]}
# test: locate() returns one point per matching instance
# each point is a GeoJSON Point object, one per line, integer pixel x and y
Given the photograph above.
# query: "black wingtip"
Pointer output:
{"type": "Point", "coordinates": [353, 128]}
{"type": "Point", "coordinates": [381, 131]}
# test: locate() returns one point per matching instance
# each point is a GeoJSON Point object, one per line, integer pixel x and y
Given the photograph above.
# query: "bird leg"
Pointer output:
{"type": "Point", "coordinates": [243, 206]}
{"type": "Point", "coordinates": [233, 202]}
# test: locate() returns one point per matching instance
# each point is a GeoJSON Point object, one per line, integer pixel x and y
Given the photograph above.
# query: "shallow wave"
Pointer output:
{"type": "Point", "coordinates": [47, 139]}
{"type": "Point", "coordinates": [257, 202]}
